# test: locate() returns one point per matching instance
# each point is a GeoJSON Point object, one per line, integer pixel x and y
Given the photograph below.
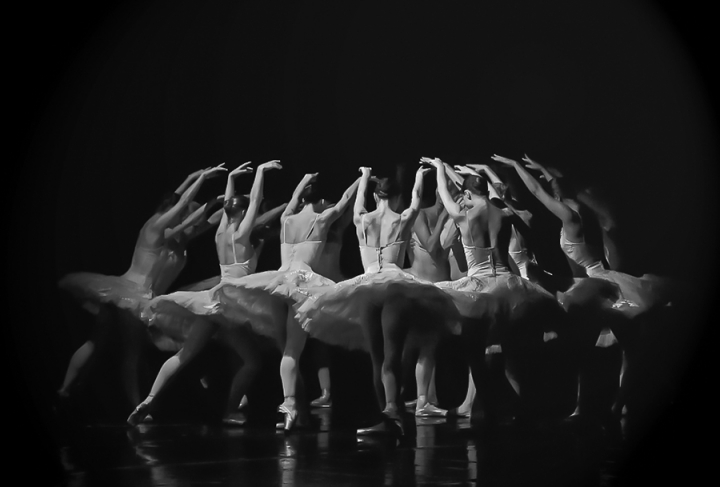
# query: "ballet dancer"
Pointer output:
{"type": "Point", "coordinates": [193, 317]}
{"type": "Point", "coordinates": [378, 310]}
{"type": "Point", "coordinates": [158, 258]}
{"type": "Point", "coordinates": [305, 225]}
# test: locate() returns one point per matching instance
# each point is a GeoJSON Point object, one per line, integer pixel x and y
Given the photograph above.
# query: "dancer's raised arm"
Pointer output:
{"type": "Point", "coordinates": [416, 195]}
{"type": "Point", "coordinates": [558, 208]}
{"type": "Point", "coordinates": [269, 215]}
{"type": "Point", "coordinates": [294, 203]}
{"type": "Point", "coordinates": [196, 223]}
{"type": "Point", "coordinates": [188, 180]}
{"type": "Point", "coordinates": [256, 197]}
{"type": "Point", "coordinates": [230, 192]}
{"type": "Point", "coordinates": [452, 207]}
{"type": "Point", "coordinates": [332, 214]}
{"type": "Point", "coordinates": [471, 171]}
{"type": "Point", "coordinates": [164, 220]}
{"type": "Point", "coordinates": [548, 173]}
{"type": "Point", "coordinates": [452, 176]}
{"type": "Point", "coordinates": [429, 238]}
{"type": "Point", "coordinates": [359, 208]}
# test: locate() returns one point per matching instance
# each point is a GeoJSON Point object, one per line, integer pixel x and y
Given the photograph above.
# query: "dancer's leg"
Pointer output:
{"type": "Point", "coordinates": [200, 334]}
{"type": "Point", "coordinates": [320, 354]}
{"type": "Point", "coordinates": [244, 343]}
{"type": "Point", "coordinates": [372, 329]}
{"type": "Point", "coordinates": [289, 366]}
{"type": "Point", "coordinates": [135, 338]}
{"type": "Point", "coordinates": [465, 409]}
{"type": "Point", "coordinates": [395, 328]}
{"type": "Point", "coordinates": [83, 357]}
{"type": "Point", "coordinates": [77, 362]}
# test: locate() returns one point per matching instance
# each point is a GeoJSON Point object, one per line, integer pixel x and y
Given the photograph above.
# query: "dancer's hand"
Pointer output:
{"type": "Point", "coordinates": [504, 160]}
{"type": "Point", "coordinates": [365, 171]}
{"type": "Point", "coordinates": [531, 164]}
{"type": "Point", "coordinates": [422, 171]}
{"type": "Point", "coordinates": [274, 164]}
{"type": "Point", "coordinates": [435, 162]}
{"type": "Point", "coordinates": [214, 171]}
{"type": "Point", "coordinates": [466, 171]}
{"type": "Point", "coordinates": [242, 169]}
{"type": "Point", "coordinates": [477, 167]}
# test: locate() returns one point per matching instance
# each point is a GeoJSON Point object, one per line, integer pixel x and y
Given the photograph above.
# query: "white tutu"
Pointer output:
{"type": "Point", "coordinates": [262, 299]}
{"type": "Point", "coordinates": [89, 287]}
{"type": "Point", "coordinates": [335, 315]}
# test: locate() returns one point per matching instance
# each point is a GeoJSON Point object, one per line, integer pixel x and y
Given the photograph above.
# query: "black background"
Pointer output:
{"type": "Point", "coordinates": [116, 102]}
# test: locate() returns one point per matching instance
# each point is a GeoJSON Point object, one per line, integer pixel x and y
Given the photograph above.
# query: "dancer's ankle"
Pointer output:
{"type": "Point", "coordinates": [421, 401]}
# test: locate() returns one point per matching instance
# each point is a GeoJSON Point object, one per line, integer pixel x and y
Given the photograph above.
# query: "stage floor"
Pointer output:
{"type": "Point", "coordinates": [435, 451]}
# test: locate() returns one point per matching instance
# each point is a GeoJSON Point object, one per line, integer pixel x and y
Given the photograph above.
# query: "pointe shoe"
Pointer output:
{"type": "Point", "coordinates": [389, 426]}
{"type": "Point", "coordinates": [323, 401]}
{"type": "Point", "coordinates": [411, 404]}
{"type": "Point", "coordinates": [290, 417]}
{"type": "Point", "coordinates": [430, 411]}
{"type": "Point", "coordinates": [458, 413]}
{"type": "Point", "coordinates": [140, 413]}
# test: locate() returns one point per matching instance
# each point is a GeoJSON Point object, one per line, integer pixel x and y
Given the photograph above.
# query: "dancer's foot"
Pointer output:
{"type": "Point", "coordinates": [323, 401]}
{"type": "Point", "coordinates": [430, 410]}
{"type": "Point", "coordinates": [411, 404]}
{"type": "Point", "coordinates": [389, 426]}
{"type": "Point", "coordinates": [290, 414]}
{"type": "Point", "coordinates": [140, 413]}
{"type": "Point", "coordinates": [460, 411]}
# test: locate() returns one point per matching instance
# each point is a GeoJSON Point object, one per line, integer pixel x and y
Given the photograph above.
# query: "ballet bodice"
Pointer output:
{"type": "Point", "coordinates": [582, 254]}
{"type": "Point", "coordinates": [173, 258]}
{"type": "Point", "coordinates": [300, 255]}
{"type": "Point", "coordinates": [425, 265]}
{"type": "Point", "coordinates": [238, 269]}
{"type": "Point", "coordinates": [375, 259]}
{"type": "Point", "coordinates": [150, 263]}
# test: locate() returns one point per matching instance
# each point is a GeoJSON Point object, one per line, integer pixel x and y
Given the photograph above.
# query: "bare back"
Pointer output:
{"type": "Point", "coordinates": [302, 238]}
{"type": "Point", "coordinates": [487, 226]}
{"type": "Point", "coordinates": [232, 247]}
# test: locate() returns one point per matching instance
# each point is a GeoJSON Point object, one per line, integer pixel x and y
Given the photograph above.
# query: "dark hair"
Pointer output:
{"type": "Point", "coordinates": [385, 188]}
{"type": "Point", "coordinates": [476, 184]}
{"type": "Point", "coordinates": [236, 205]}
{"type": "Point", "coordinates": [311, 194]}
{"type": "Point", "coordinates": [168, 201]}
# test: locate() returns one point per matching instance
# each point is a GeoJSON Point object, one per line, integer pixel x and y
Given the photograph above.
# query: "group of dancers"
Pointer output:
{"type": "Point", "coordinates": [472, 274]}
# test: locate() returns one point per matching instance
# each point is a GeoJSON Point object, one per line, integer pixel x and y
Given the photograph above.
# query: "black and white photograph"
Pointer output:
{"type": "Point", "coordinates": [315, 243]}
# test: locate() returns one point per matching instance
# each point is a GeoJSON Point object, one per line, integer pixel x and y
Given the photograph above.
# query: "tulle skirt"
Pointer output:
{"type": "Point", "coordinates": [173, 315]}
{"type": "Point", "coordinates": [637, 295]}
{"type": "Point", "coordinates": [262, 300]}
{"type": "Point", "coordinates": [515, 291]}
{"type": "Point", "coordinates": [92, 288]}
{"type": "Point", "coordinates": [337, 314]}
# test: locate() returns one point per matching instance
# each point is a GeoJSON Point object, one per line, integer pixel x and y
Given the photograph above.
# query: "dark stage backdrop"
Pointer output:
{"type": "Point", "coordinates": [120, 100]}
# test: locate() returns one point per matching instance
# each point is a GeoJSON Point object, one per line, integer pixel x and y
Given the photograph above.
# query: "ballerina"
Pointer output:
{"type": "Point", "coordinates": [508, 299]}
{"type": "Point", "coordinates": [429, 254]}
{"type": "Point", "coordinates": [305, 225]}
{"type": "Point", "coordinates": [158, 257]}
{"type": "Point", "coordinates": [193, 316]}
{"type": "Point", "coordinates": [329, 266]}
{"type": "Point", "coordinates": [379, 309]}
{"type": "Point", "coordinates": [625, 297]}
